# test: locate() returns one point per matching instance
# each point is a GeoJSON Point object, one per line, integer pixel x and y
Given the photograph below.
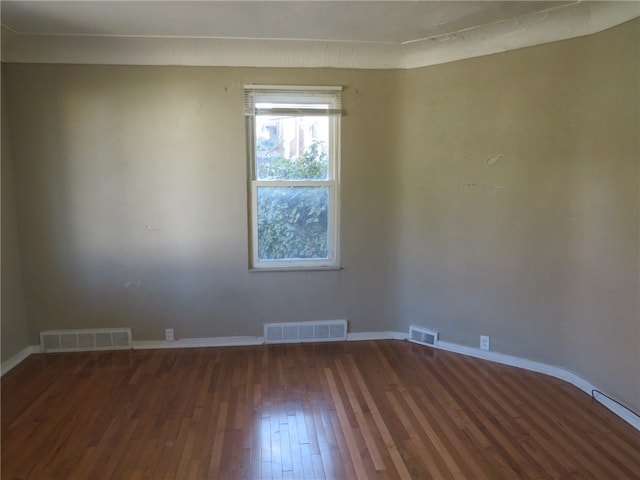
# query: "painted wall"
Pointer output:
{"type": "Point", "coordinates": [132, 192]}
{"type": "Point", "coordinates": [13, 320]}
{"type": "Point", "coordinates": [517, 213]}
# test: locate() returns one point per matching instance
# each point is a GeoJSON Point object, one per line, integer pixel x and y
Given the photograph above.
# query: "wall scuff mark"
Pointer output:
{"type": "Point", "coordinates": [494, 159]}
{"type": "Point", "coordinates": [153, 229]}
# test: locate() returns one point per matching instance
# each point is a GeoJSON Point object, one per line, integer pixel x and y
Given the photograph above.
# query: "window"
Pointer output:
{"type": "Point", "coordinates": [293, 136]}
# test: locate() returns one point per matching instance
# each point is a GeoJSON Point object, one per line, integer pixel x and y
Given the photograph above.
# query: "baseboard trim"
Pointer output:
{"type": "Point", "coordinates": [513, 361]}
{"type": "Point", "coordinates": [546, 369]}
{"type": "Point", "coordinates": [358, 336]}
{"type": "Point", "coordinates": [622, 412]}
{"type": "Point", "coordinates": [530, 365]}
{"type": "Point", "coordinates": [18, 358]}
{"type": "Point", "coordinates": [198, 342]}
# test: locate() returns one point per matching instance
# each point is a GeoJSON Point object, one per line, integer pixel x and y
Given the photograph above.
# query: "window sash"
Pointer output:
{"type": "Point", "coordinates": [298, 96]}
{"type": "Point", "coordinates": [334, 151]}
{"type": "Point", "coordinates": [332, 227]}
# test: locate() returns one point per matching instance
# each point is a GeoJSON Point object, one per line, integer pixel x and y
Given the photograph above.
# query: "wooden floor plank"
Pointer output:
{"type": "Point", "coordinates": [363, 425]}
{"type": "Point", "coordinates": [540, 433]}
{"type": "Point", "coordinates": [494, 419]}
{"type": "Point", "coordinates": [347, 430]}
{"type": "Point", "coordinates": [381, 426]}
{"type": "Point", "coordinates": [368, 410]}
{"type": "Point", "coordinates": [444, 439]}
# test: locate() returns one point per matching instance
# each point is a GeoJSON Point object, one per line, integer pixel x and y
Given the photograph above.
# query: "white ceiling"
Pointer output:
{"type": "Point", "coordinates": [379, 22]}
{"type": "Point", "coordinates": [359, 34]}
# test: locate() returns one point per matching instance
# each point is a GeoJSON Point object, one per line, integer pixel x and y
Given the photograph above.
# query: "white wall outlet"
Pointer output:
{"type": "Point", "coordinates": [168, 334]}
{"type": "Point", "coordinates": [485, 342]}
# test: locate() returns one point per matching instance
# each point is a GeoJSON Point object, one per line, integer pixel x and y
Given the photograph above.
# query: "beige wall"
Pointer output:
{"type": "Point", "coordinates": [492, 196]}
{"type": "Point", "coordinates": [132, 189]}
{"type": "Point", "coordinates": [518, 208]}
{"type": "Point", "coordinates": [13, 317]}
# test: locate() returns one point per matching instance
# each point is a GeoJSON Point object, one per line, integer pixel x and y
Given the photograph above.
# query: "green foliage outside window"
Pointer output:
{"type": "Point", "coordinates": [311, 165]}
{"type": "Point", "coordinates": [293, 221]}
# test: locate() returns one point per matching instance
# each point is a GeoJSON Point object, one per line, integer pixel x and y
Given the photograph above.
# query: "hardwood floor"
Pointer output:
{"type": "Point", "coordinates": [353, 410]}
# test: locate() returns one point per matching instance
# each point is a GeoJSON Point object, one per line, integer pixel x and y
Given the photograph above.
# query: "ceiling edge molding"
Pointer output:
{"type": "Point", "coordinates": [559, 24]}
{"type": "Point", "coordinates": [17, 48]}
{"type": "Point", "coordinates": [576, 20]}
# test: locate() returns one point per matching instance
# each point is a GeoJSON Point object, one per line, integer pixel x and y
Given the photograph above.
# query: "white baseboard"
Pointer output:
{"type": "Point", "coordinates": [198, 342]}
{"type": "Point", "coordinates": [530, 365]}
{"type": "Point", "coordinates": [357, 336]}
{"type": "Point", "coordinates": [18, 358]}
{"type": "Point", "coordinates": [623, 413]}
{"type": "Point", "coordinates": [551, 370]}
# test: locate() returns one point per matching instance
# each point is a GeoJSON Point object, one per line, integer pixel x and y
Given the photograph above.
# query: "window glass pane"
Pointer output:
{"type": "Point", "coordinates": [292, 147]}
{"type": "Point", "coordinates": [293, 223]}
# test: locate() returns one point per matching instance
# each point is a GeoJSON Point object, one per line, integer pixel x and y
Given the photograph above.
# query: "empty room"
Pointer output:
{"type": "Point", "coordinates": [320, 240]}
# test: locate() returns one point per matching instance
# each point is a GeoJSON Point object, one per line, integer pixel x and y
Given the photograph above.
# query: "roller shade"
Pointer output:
{"type": "Point", "coordinates": [292, 100]}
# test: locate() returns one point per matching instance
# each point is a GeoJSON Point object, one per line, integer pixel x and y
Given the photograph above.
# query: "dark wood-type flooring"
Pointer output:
{"type": "Point", "coordinates": [354, 410]}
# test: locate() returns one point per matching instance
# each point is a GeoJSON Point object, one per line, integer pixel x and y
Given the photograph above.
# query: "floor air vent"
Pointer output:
{"type": "Point", "coordinates": [86, 340]}
{"type": "Point", "coordinates": [296, 332]}
{"type": "Point", "coordinates": [422, 335]}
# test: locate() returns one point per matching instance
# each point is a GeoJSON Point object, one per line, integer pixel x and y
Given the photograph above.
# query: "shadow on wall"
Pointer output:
{"type": "Point", "coordinates": [136, 210]}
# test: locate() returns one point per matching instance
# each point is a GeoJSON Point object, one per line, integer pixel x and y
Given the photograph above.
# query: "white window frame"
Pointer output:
{"type": "Point", "coordinates": [296, 95]}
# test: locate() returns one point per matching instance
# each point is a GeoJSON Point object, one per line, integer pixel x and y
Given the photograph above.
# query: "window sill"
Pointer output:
{"type": "Point", "coordinates": [294, 269]}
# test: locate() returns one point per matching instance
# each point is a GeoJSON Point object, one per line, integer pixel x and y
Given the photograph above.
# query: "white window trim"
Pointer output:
{"type": "Point", "coordinates": [332, 262]}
